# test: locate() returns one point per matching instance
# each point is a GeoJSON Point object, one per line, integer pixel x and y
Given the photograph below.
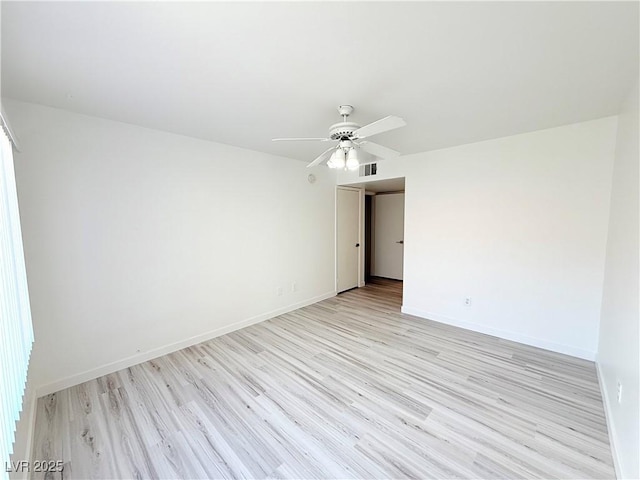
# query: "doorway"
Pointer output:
{"type": "Point", "coordinates": [370, 233]}
{"type": "Point", "coordinates": [387, 234]}
{"type": "Point", "coordinates": [383, 228]}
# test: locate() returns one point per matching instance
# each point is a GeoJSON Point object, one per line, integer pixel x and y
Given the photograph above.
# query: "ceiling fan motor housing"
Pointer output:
{"type": "Point", "coordinates": [343, 130]}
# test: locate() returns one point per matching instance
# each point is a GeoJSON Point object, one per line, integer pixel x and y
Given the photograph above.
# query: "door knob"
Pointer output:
{"type": "Point", "coordinates": [400, 241]}
{"type": "Point", "coordinates": [357, 244]}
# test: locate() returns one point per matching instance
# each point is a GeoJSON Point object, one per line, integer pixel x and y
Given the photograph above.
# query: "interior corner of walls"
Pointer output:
{"type": "Point", "coordinates": [112, 367]}
{"type": "Point", "coordinates": [500, 333]}
{"type": "Point", "coordinates": [606, 403]}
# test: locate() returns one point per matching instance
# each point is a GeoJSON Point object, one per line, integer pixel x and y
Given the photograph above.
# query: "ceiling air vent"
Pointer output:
{"type": "Point", "coordinates": [368, 170]}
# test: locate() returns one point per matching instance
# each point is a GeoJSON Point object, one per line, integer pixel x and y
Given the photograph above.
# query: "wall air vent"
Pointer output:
{"type": "Point", "coordinates": [368, 170]}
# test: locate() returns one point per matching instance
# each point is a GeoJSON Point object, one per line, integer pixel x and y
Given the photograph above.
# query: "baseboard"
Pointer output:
{"type": "Point", "coordinates": [506, 334]}
{"type": "Point", "coordinates": [611, 429]}
{"type": "Point", "coordinates": [87, 375]}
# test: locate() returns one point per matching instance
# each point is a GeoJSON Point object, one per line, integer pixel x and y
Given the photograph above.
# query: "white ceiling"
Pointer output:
{"type": "Point", "coordinates": [242, 73]}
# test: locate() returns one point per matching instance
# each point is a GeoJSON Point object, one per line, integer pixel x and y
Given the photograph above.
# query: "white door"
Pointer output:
{"type": "Point", "coordinates": [388, 254]}
{"type": "Point", "coordinates": [348, 238]}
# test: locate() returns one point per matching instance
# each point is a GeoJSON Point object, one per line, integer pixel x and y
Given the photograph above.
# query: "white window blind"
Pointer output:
{"type": "Point", "coordinates": [16, 332]}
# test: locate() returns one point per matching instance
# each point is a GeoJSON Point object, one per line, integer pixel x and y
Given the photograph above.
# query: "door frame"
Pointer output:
{"type": "Point", "coordinates": [361, 282]}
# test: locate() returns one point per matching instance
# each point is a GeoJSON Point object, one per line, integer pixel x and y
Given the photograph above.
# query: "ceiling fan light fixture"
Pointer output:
{"type": "Point", "coordinates": [337, 160]}
{"type": "Point", "coordinates": [352, 159]}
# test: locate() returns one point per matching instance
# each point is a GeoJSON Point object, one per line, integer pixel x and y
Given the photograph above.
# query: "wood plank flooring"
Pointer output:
{"type": "Point", "coordinates": [346, 388]}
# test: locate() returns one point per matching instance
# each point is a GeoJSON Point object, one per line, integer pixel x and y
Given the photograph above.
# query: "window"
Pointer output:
{"type": "Point", "coordinates": [16, 332]}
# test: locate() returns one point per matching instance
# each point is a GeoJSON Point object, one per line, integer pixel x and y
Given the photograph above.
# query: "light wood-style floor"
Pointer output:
{"type": "Point", "coordinates": [346, 388]}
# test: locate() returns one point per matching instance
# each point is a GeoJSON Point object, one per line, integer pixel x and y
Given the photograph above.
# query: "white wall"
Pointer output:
{"type": "Point", "coordinates": [618, 352]}
{"type": "Point", "coordinates": [138, 242]}
{"type": "Point", "coordinates": [519, 224]}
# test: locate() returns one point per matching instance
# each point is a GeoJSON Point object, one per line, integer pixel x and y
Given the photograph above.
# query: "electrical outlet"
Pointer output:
{"type": "Point", "coordinates": [279, 291]}
{"type": "Point", "coordinates": [467, 301]}
{"type": "Point", "coordinates": [619, 392]}
{"type": "Point", "coordinates": [294, 287]}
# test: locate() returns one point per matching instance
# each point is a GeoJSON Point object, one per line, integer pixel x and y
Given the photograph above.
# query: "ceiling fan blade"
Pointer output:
{"type": "Point", "coordinates": [379, 150]}
{"type": "Point", "coordinates": [300, 139]}
{"type": "Point", "coordinates": [383, 125]}
{"type": "Point", "coordinates": [322, 157]}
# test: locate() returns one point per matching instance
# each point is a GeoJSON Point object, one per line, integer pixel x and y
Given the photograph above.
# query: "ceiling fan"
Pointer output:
{"type": "Point", "coordinates": [351, 137]}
